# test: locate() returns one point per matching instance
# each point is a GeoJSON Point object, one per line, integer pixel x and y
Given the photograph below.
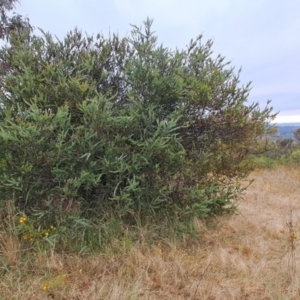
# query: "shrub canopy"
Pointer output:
{"type": "Point", "coordinates": [122, 124]}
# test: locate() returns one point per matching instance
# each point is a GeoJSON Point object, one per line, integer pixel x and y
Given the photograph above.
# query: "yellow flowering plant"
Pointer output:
{"type": "Point", "coordinates": [31, 232]}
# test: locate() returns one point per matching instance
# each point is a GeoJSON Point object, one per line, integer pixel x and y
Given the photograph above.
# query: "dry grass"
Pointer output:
{"type": "Point", "coordinates": [247, 256]}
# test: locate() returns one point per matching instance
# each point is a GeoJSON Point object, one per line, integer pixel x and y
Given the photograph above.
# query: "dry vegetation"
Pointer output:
{"type": "Point", "coordinates": [251, 255]}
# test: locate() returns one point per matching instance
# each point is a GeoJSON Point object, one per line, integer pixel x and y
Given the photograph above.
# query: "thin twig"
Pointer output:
{"type": "Point", "coordinates": [202, 275]}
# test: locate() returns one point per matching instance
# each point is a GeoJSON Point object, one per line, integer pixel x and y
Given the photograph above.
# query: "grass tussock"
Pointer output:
{"type": "Point", "coordinates": [251, 255]}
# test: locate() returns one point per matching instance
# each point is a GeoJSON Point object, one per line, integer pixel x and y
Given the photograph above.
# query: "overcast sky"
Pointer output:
{"type": "Point", "coordinates": [261, 36]}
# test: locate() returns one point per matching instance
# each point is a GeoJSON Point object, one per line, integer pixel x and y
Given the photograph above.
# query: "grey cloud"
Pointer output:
{"type": "Point", "coordinates": [261, 36]}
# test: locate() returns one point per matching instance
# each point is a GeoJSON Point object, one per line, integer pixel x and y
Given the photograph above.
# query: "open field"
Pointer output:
{"type": "Point", "coordinates": [251, 255]}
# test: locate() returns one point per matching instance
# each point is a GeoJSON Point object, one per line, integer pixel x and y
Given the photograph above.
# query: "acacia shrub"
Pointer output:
{"type": "Point", "coordinates": [123, 124]}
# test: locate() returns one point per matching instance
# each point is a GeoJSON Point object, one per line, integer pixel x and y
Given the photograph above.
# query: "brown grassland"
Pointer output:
{"type": "Point", "coordinates": [254, 254]}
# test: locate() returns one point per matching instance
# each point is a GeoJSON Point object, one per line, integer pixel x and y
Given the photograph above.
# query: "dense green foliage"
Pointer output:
{"type": "Point", "coordinates": [122, 125]}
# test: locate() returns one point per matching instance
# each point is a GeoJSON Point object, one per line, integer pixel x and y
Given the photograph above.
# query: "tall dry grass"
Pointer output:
{"type": "Point", "coordinates": [251, 255]}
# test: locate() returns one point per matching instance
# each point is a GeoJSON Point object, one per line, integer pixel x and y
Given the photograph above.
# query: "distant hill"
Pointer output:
{"type": "Point", "coordinates": [286, 130]}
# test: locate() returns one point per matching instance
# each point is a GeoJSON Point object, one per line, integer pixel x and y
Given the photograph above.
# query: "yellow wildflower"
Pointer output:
{"type": "Point", "coordinates": [22, 219]}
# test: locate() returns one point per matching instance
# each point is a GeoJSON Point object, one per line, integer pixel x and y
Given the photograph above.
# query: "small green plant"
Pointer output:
{"type": "Point", "coordinates": [55, 283]}
{"type": "Point", "coordinates": [31, 231]}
